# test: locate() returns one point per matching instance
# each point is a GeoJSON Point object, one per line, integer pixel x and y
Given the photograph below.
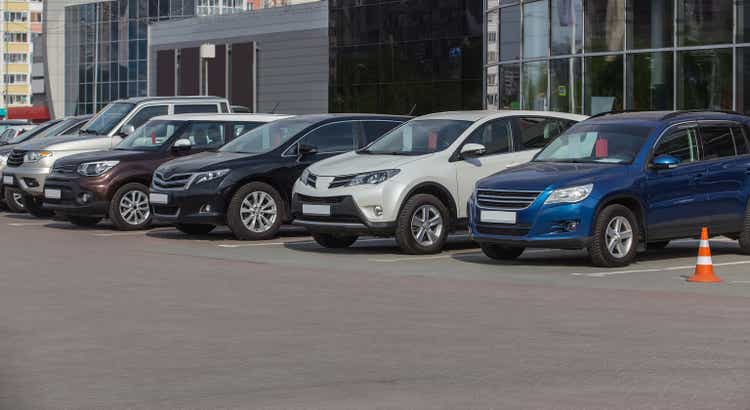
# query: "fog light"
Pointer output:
{"type": "Point", "coordinates": [205, 209]}
{"type": "Point", "coordinates": [378, 210]}
{"type": "Point", "coordinates": [31, 182]}
{"type": "Point", "coordinates": [85, 197]}
{"type": "Point", "coordinates": [571, 226]}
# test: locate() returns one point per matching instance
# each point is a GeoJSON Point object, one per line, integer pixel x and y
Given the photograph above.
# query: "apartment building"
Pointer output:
{"type": "Point", "coordinates": [17, 49]}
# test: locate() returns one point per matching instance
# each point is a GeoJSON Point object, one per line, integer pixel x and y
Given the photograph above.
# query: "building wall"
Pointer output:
{"type": "Point", "coordinates": [292, 42]}
{"type": "Point", "coordinates": [16, 37]}
{"type": "Point", "coordinates": [589, 56]}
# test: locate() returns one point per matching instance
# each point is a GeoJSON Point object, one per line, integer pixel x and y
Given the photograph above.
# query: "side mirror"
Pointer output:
{"type": "Point", "coordinates": [665, 162]}
{"type": "Point", "coordinates": [473, 150]}
{"type": "Point", "coordinates": [304, 149]}
{"type": "Point", "coordinates": [127, 130]}
{"type": "Point", "coordinates": [182, 145]}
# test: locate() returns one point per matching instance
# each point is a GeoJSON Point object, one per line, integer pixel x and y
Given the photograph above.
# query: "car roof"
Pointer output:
{"type": "Point", "coordinates": [317, 118]}
{"type": "Point", "coordinates": [488, 114]}
{"type": "Point", "coordinates": [259, 117]}
{"type": "Point", "coordinates": [656, 118]}
{"type": "Point", "coordinates": [14, 122]}
{"type": "Point", "coordinates": [137, 100]}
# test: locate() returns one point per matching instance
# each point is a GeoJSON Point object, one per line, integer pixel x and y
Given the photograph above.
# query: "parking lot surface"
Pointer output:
{"type": "Point", "coordinates": [96, 318]}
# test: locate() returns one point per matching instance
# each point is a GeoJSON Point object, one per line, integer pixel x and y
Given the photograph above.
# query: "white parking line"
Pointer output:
{"type": "Point", "coordinates": [299, 242]}
{"type": "Point", "coordinates": [443, 255]}
{"type": "Point", "coordinates": [133, 233]}
{"type": "Point", "coordinates": [671, 268]}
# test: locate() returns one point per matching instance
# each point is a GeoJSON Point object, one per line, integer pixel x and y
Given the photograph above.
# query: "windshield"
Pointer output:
{"type": "Point", "coordinates": [267, 137]}
{"type": "Point", "coordinates": [418, 137]}
{"type": "Point", "coordinates": [46, 129]}
{"type": "Point", "coordinates": [596, 143]}
{"type": "Point", "coordinates": [151, 136]}
{"type": "Point", "coordinates": [110, 116]}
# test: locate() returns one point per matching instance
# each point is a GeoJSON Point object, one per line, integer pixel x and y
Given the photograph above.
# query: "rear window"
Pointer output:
{"type": "Point", "coordinates": [717, 142]}
{"type": "Point", "coordinates": [195, 108]}
{"type": "Point", "coordinates": [740, 140]}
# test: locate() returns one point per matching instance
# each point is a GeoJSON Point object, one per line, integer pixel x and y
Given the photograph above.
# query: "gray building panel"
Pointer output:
{"type": "Point", "coordinates": [292, 42]}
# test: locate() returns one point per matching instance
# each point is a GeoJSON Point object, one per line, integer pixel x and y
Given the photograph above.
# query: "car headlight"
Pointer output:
{"type": "Point", "coordinates": [373, 178]}
{"type": "Point", "coordinates": [304, 178]}
{"type": "Point", "coordinates": [570, 195]}
{"type": "Point", "coordinates": [94, 169]}
{"type": "Point", "coordinates": [4, 158]}
{"type": "Point", "coordinates": [209, 176]}
{"type": "Point", "coordinates": [35, 156]}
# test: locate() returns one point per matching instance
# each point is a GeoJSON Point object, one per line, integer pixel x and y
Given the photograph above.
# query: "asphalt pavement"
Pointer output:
{"type": "Point", "coordinates": [100, 319]}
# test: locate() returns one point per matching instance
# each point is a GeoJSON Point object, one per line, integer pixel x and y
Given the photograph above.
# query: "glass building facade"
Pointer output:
{"type": "Point", "coordinates": [390, 56]}
{"type": "Point", "coordinates": [590, 56]}
{"type": "Point", "coordinates": [106, 47]}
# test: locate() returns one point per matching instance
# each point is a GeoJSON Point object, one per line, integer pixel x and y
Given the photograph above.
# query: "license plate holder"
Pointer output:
{"type": "Point", "coordinates": [52, 194]}
{"type": "Point", "coordinates": [158, 199]}
{"type": "Point", "coordinates": [498, 217]}
{"type": "Point", "coordinates": [316, 210]}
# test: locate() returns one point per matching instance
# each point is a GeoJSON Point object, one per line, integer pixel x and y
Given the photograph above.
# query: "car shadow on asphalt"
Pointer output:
{"type": "Point", "coordinates": [376, 246]}
{"type": "Point", "coordinates": [223, 234]}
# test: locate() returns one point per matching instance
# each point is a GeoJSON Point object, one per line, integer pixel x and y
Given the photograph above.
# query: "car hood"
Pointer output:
{"type": "Point", "coordinates": [114, 155]}
{"type": "Point", "coordinates": [354, 163]}
{"type": "Point", "coordinates": [537, 176]}
{"type": "Point", "coordinates": [64, 143]}
{"type": "Point", "coordinates": [205, 161]}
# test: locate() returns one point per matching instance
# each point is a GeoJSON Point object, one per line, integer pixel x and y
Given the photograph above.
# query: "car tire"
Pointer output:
{"type": "Point", "coordinates": [500, 252]}
{"type": "Point", "coordinates": [744, 236]}
{"type": "Point", "coordinates": [14, 201]}
{"type": "Point", "coordinates": [654, 246]}
{"type": "Point", "coordinates": [83, 221]}
{"type": "Point", "coordinates": [195, 229]}
{"type": "Point", "coordinates": [610, 247]}
{"type": "Point", "coordinates": [334, 241]}
{"type": "Point", "coordinates": [415, 239]}
{"type": "Point", "coordinates": [129, 209]}
{"type": "Point", "coordinates": [33, 206]}
{"type": "Point", "coordinates": [255, 212]}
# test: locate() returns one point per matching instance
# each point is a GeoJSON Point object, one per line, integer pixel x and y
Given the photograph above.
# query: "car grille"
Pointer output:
{"type": "Point", "coordinates": [341, 181]}
{"type": "Point", "coordinates": [320, 200]}
{"type": "Point", "coordinates": [510, 200]}
{"type": "Point", "coordinates": [312, 180]}
{"type": "Point", "coordinates": [15, 159]}
{"type": "Point", "coordinates": [65, 169]}
{"type": "Point", "coordinates": [502, 231]}
{"type": "Point", "coordinates": [177, 181]}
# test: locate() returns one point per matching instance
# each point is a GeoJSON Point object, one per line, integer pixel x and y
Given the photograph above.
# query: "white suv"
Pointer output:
{"type": "Point", "coordinates": [415, 181]}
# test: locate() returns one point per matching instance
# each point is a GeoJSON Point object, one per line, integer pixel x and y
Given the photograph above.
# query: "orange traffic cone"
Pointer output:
{"type": "Point", "coordinates": [704, 269]}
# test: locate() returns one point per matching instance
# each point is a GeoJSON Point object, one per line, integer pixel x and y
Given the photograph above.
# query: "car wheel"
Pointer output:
{"type": "Point", "coordinates": [129, 209]}
{"type": "Point", "coordinates": [195, 229]}
{"type": "Point", "coordinates": [255, 212]}
{"type": "Point", "coordinates": [653, 246]}
{"type": "Point", "coordinates": [83, 221]}
{"type": "Point", "coordinates": [422, 225]}
{"type": "Point", "coordinates": [615, 239]}
{"type": "Point", "coordinates": [500, 252]}
{"type": "Point", "coordinates": [14, 201]}
{"type": "Point", "coordinates": [744, 236]}
{"type": "Point", "coordinates": [33, 206]}
{"type": "Point", "coordinates": [334, 241]}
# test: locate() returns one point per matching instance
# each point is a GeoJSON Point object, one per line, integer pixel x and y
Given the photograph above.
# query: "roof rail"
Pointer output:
{"type": "Point", "coordinates": [601, 114]}
{"type": "Point", "coordinates": [681, 112]}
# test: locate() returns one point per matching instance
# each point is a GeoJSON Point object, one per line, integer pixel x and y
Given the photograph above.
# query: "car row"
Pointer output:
{"type": "Point", "coordinates": [613, 184]}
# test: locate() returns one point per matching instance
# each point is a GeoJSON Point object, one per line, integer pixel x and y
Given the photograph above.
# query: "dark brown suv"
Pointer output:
{"type": "Point", "coordinates": [85, 188]}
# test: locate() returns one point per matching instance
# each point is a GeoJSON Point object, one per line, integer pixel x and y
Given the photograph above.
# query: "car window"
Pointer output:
{"type": "Point", "coordinates": [224, 107]}
{"type": "Point", "coordinates": [681, 144]}
{"type": "Point", "coordinates": [267, 137]}
{"type": "Point", "coordinates": [376, 129]}
{"type": "Point", "coordinates": [74, 129]}
{"type": "Point", "coordinates": [146, 113]}
{"type": "Point", "coordinates": [336, 137]}
{"type": "Point", "coordinates": [204, 134]}
{"type": "Point", "coordinates": [419, 137]}
{"type": "Point", "coordinates": [151, 136]}
{"type": "Point", "coordinates": [536, 132]}
{"type": "Point", "coordinates": [495, 136]}
{"type": "Point", "coordinates": [740, 140]}
{"type": "Point", "coordinates": [717, 142]}
{"type": "Point", "coordinates": [194, 108]}
{"type": "Point", "coordinates": [240, 128]}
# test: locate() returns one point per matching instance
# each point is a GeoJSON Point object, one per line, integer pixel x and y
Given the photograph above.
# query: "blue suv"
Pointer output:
{"type": "Point", "coordinates": [620, 180]}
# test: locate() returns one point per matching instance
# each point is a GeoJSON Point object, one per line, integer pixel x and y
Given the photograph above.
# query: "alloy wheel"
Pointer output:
{"type": "Point", "coordinates": [18, 199]}
{"type": "Point", "coordinates": [619, 237]}
{"type": "Point", "coordinates": [134, 207]}
{"type": "Point", "coordinates": [258, 211]}
{"type": "Point", "coordinates": [426, 225]}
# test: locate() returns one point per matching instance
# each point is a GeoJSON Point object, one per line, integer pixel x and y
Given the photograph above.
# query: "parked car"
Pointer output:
{"type": "Point", "coordinates": [30, 164]}
{"type": "Point", "coordinates": [618, 181]}
{"type": "Point", "coordinates": [414, 182]}
{"type": "Point", "coordinates": [247, 185]}
{"type": "Point", "coordinates": [114, 184]}
{"type": "Point", "coordinates": [13, 131]}
{"type": "Point", "coordinates": [12, 198]}
{"type": "Point", "coordinates": [4, 124]}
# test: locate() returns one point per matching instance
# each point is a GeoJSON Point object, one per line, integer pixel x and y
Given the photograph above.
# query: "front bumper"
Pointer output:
{"type": "Point", "coordinates": [29, 180]}
{"type": "Point", "coordinates": [539, 226]}
{"type": "Point", "coordinates": [189, 207]}
{"type": "Point", "coordinates": [345, 216]}
{"type": "Point", "coordinates": [73, 189]}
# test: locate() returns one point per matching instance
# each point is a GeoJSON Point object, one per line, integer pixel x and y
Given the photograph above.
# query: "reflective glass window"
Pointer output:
{"type": "Point", "coordinates": [650, 81]}
{"type": "Point", "coordinates": [704, 79]}
{"type": "Point", "coordinates": [650, 23]}
{"type": "Point", "coordinates": [510, 33]}
{"type": "Point", "coordinates": [535, 29]}
{"type": "Point", "coordinates": [492, 87]}
{"type": "Point", "coordinates": [603, 85]}
{"type": "Point", "coordinates": [564, 85]}
{"type": "Point", "coordinates": [702, 22]}
{"type": "Point", "coordinates": [743, 21]}
{"type": "Point", "coordinates": [566, 18]}
{"type": "Point", "coordinates": [605, 25]}
{"type": "Point", "coordinates": [535, 86]}
{"type": "Point", "coordinates": [743, 80]}
{"type": "Point", "coordinates": [509, 81]}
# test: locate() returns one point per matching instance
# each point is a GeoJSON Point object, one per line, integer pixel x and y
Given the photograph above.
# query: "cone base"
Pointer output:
{"type": "Point", "coordinates": [704, 278]}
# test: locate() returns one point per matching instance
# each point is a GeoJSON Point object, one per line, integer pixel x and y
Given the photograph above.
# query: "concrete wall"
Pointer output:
{"type": "Point", "coordinates": [293, 58]}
